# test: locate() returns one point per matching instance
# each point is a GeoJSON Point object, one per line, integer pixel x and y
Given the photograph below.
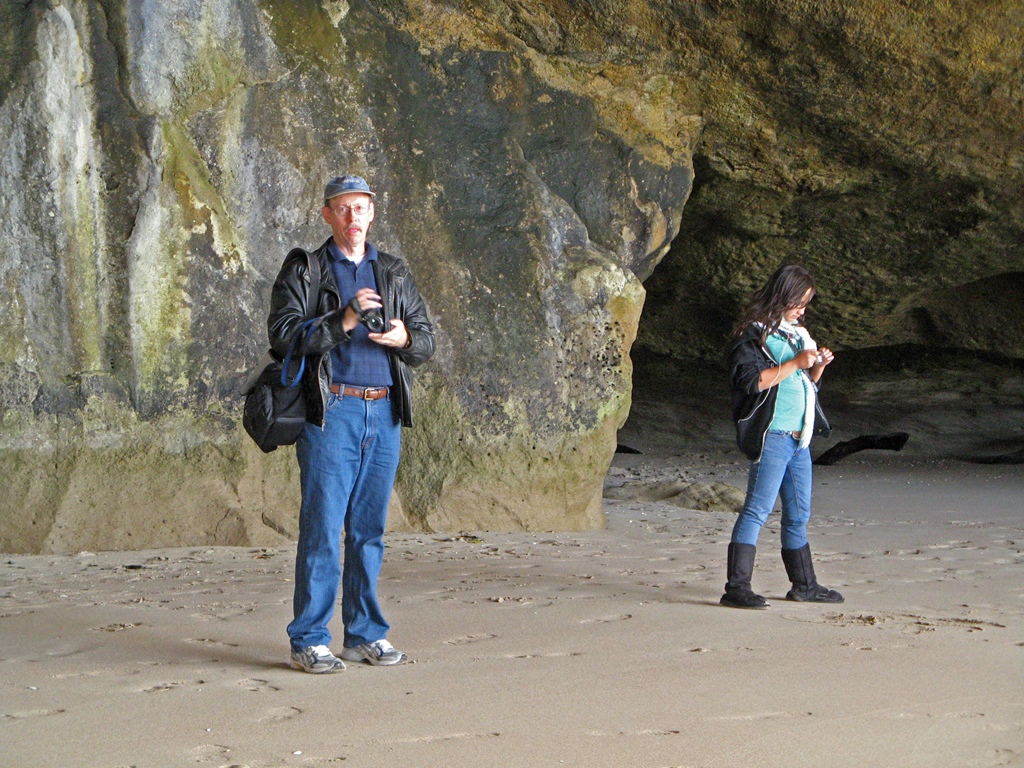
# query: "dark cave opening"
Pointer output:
{"type": "Point", "coordinates": [954, 401]}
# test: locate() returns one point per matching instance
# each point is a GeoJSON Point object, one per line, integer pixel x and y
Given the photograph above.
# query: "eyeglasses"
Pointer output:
{"type": "Point", "coordinates": [359, 209]}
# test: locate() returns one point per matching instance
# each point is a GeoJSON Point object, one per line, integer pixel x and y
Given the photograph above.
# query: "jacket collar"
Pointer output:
{"type": "Point", "coordinates": [335, 254]}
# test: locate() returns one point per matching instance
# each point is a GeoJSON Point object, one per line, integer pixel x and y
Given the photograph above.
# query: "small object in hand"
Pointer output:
{"type": "Point", "coordinates": [372, 318]}
{"type": "Point", "coordinates": [819, 359]}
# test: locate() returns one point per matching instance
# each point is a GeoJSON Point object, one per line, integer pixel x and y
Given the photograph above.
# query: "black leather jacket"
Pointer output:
{"type": "Point", "coordinates": [752, 409]}
{"type": "Point", "coordinates": [401, 300]}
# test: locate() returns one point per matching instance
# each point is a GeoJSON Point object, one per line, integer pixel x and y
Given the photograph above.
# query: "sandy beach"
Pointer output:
{"type": "Point", "coordinates": [604, 648]}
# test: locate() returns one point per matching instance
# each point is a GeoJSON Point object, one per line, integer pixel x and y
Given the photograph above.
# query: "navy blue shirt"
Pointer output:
{"type": "Point", "coordinates": [361, 362]}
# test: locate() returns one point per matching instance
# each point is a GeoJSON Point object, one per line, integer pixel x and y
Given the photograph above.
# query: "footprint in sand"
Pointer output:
{"type": "Point", "coordinates": [648, 732]}
{"type": "Point", "coordinates": [564, 654]}
{"type": "Point", "coordinates": [759, 716]}
{"type": "Point", "coordinates": [63, 651]}
{"type": "Point", "coordinates": [172, 685]}
{"type": "Point", "coordinates": [211, 753]}
{"type": "Point", "coordinates": [606, 619]}
{"type": "Point", "coordinates": [26, 714]}
{"type": "Point", "coordinates": [447, 737]}
{"type": "Point", "coordinates": [208, 641]}
{"type": "Point", "coordinates": [469, 639]}
{"type": "Point", "coordinates": [119, 627]}
{"type": "Point", "coordinates": [255, 684]}
{"type": "Point", "coordinates": [280, 714]}
{"type": "Point", "coordinates": [906, 623]}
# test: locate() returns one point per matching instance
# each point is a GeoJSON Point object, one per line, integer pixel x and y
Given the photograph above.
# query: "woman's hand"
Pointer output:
{"type": "Point", "coordinates": [806, 358]}
{"type": "Point", "coordinates": [771, 376]}
{"type": "Point", "coordinates": [823, 357]}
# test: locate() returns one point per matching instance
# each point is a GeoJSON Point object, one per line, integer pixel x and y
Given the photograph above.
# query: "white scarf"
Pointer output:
{"type": "Point", "coordinates": [810, 392]}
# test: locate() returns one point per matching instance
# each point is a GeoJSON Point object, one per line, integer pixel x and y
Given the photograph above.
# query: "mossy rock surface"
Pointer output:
{"type": "Point", "coordinates": [550, 171]}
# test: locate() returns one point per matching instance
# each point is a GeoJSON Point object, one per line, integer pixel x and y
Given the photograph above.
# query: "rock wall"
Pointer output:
{"type": "Point", "coordinates": [534, 161]}
{"type": "Point", "coordinates": [161, 158]}
{"type": "Point", "coordinates": [878, 143]}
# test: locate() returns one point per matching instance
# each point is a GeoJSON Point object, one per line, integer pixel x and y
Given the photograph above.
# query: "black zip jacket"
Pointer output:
{"type": "Point", "coordinates": [753, 410]}
{"type": "Point", "coordinates": [401, 300]}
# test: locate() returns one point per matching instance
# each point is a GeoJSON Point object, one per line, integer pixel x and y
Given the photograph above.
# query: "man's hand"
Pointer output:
{"type": "Point", "coordinates": [397, 337]}
{"type": "Point", "coordinates": [367, 298]}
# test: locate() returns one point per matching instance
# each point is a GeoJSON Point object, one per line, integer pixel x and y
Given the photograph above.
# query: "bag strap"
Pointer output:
{"type": "Point", "coordinates": [311, 321]}
{"type": "Point", "coordinates": [797, 350]}
{"type": "Point", "coordinates": [313, 293]}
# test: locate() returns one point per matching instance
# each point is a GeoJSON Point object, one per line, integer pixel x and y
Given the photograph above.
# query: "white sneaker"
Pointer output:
{"type": "Point", "coordinates": [380, 653]}
{"type": "Point", "coordinates": [317, 660]}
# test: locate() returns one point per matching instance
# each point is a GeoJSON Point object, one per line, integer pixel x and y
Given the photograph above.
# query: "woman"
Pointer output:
{"type": "Point", "coordinates": [775, 368]}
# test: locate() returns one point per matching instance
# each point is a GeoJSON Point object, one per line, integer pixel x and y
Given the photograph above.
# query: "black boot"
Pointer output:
{"type": "Point", "coordinates": [738, 593]}
{"type": "Point", "coordinates": [806, 588]}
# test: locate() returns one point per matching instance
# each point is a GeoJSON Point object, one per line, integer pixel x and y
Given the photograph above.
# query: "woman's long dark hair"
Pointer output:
{"type": "Point", "coordinates": [784, 290]}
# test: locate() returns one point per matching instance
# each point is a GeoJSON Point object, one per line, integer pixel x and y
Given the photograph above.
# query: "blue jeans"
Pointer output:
{"type": "Point", "coordinates": [346, 474]}
{"type": "Point", "coordinates": [784, 470]}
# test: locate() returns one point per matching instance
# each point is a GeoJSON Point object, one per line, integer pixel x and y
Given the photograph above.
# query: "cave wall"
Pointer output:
{"type": "Point", "coordinates": [533, 162]}
{"type": "Point", "coordinates": [879, 144]}
{"type": "Point", "coordinates": [161, 158]}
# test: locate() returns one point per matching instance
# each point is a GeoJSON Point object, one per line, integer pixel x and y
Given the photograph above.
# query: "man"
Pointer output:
{"type": "Point", "coordinates": [358, 386]}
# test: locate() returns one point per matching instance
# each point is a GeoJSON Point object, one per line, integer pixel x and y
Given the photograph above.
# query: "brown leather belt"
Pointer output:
{"type": "Point", "coordinates": [367, 393]}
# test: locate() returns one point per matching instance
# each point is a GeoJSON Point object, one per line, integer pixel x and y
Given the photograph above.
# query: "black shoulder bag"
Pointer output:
{"type": "Point", "coordinates": [275, 400]}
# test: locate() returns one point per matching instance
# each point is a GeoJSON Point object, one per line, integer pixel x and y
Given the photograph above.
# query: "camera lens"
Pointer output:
{"type": "Point", "coordinates": [373, 320]}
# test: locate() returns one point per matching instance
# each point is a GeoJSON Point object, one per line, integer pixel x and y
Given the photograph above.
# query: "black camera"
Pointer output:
{"type": "Point", "coordinates": [372, 318]}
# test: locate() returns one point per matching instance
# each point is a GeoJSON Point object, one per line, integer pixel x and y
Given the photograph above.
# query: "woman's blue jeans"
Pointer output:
{"type": "Point", "coordinates": [784, 470]}
{"type": "Point", "coordinates": [346, 473]}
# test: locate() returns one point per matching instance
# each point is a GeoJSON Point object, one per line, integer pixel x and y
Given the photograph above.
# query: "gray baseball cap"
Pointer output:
{"type": "Point", "coordinates": [339, 185]}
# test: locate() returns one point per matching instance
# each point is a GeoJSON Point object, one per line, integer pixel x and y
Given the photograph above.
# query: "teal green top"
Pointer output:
{"type": "Point", "coordinates": [791, 405]}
